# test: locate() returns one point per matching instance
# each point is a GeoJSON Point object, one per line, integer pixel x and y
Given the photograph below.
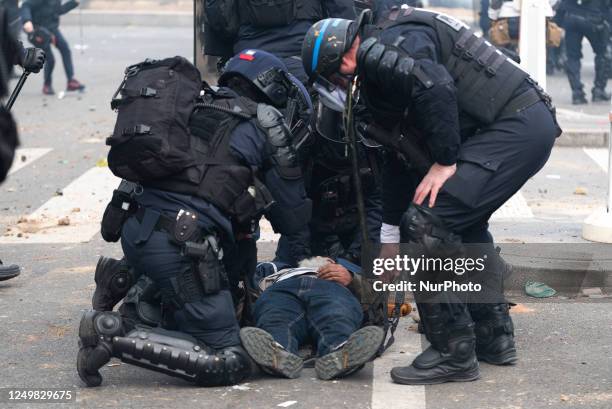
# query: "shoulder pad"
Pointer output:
{"type": "Point", "coordinates": [268, 116]}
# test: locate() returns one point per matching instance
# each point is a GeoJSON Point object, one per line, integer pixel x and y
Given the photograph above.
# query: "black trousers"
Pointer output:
{"type": "Point", "coordinates": [493, 165]}
{"type": "Point", "coordinates": [573, 44]}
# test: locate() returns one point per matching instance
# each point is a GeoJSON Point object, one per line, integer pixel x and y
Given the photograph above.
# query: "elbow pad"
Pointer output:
{"type": "Point", "coordinates": [389, 67]}
{"type": "Point", "coordinates": [279, 143]}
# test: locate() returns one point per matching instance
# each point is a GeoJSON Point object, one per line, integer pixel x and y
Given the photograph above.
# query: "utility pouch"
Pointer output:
{"type": "Point", "coordinates": [119, 209]}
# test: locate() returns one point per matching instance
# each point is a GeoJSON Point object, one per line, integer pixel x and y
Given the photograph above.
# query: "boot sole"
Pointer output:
{"type": "Point", "coordinates": [361, 346]}
{"type": "Point", "coordinates": [7, 274]}
{"type": "Point", "coordinates": [469, 376]}
{"type": "Point", "coordinates": [263, 349]}
{"type": "Point", "coordinates": [509, 357]}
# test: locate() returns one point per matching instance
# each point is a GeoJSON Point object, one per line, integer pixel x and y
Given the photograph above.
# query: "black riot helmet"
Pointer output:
{"type": "Point", "coordinates": [265, 71]}
{"type": "Point", "coordinates": [272, 81]}
{"type": "Point", "coordinates": [327, 41]}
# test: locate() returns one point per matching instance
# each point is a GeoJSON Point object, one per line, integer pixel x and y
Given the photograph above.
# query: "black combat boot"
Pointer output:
{"type": "Point", "coordinates": [456, 362]}
{"type": "Point", "coordinates": [494, 333]}
{"type": "Point", "coordinates": [113, 280]}
{"type": "Point", "coordinates": [579, 99]}
{"type": "Point", "coordinates": [451, 356]}
{"type": "Point", "coordinates": [600, 95]}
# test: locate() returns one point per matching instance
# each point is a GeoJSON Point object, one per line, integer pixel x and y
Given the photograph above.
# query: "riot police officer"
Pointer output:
{"type": "Point", "coordinates": [590, 19]}
{"type": "Point", "coordinates": [31, 59]}
{"type": "Point", "coordinates": [487, 128]}
{"type": "Point", "coordinates": [178, 235]}
{"type": "Point", "coordinates": [275, 26]}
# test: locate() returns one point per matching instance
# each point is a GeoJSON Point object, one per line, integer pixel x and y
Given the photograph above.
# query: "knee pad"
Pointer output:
{"type": "Point", "coordinates": [419, 225]}
{"type": "Point", "coordinates": [113, 280]}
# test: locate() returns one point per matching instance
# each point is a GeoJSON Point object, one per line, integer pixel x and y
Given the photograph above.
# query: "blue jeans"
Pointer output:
{"type": "Point", "coordinates": [62, 45]}
{"type": "Point", "coordinates": [211, 320]}
{"type": "Point", "coordinates": [307, 309]}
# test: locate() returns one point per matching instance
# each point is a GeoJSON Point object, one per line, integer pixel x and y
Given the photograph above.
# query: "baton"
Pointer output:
{"type": "Point", "coordinates": [17, 90]}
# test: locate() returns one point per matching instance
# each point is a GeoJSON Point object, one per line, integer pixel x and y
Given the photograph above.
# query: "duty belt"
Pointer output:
{"type": "Point", "coordinates": [167, 224]}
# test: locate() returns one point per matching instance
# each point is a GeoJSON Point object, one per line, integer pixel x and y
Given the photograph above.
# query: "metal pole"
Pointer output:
{"type": "Point", "coordinates": [17, 90]}
{"type": "Point", "coordinates": [609, 207]}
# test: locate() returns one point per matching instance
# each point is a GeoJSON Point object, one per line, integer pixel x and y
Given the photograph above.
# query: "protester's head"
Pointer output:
{"type": "Point", "coordinates": [316, 262]}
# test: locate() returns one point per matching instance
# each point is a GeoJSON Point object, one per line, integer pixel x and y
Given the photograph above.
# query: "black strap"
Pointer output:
{"type": "Point", "coordinates": [468, 55]}
{"type": "Point", "coordinates": [129, 94]}
{"type": "Point", "coordinates": [519, 103]}
{"type": "Point", "coordinates": [165, 223]}
{"type": "Point", "coordinates": [139, 129]}
{"type": "Point", "coordinates": [458, 49]}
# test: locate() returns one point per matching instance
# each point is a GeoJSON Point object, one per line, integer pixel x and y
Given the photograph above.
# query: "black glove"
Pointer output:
{"type": "Point", "coordinates": [33, 59]}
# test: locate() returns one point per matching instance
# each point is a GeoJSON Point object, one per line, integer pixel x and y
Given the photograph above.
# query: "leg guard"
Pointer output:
{"type": "Point", "coordinates": [494, 333]}
{"type": "Point", "coordinates": [172, 353]}
{"type": "Point", "coordinates": [451, 357]}
{"type": "Point", "coordinates": [113, 280]}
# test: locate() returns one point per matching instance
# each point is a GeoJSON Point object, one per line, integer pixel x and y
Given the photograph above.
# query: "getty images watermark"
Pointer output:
{"type": "Point", "coordinates": [403, 265]}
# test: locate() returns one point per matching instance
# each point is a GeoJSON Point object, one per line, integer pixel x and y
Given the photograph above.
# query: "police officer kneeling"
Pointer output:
{"type": "Point", "coordinates": [486, 127]}
{"type": "Point", "coordinates": [226, 159]}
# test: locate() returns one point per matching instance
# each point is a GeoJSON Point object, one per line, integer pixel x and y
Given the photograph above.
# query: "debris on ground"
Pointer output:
{"type": "Point", "coordinates": [581, 191]}
{"type": "Point", "coordinates": [287, 403]}
{"type": "Point", "coordinates": [538, 290]}
{"type": "Point", "coordinates": [64, 221]}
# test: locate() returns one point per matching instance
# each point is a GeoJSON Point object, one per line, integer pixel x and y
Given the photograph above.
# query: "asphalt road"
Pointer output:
{"type": "Point", "coordinates": [564, 345]}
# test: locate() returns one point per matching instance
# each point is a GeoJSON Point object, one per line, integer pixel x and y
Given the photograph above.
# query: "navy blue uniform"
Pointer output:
{"type": "Point", "coordinates": [211, 320]}
{"type": "Point", "coordinates": [590, 19]}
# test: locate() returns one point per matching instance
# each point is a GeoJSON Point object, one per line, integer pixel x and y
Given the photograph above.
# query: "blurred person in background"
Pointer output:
{"type": "Point", "coordinates": [41, 21]}
{"type": "Point", "coordinates": [590, 19]}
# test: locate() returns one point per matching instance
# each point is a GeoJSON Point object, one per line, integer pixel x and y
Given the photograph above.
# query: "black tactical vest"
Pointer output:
{"type": "Point", "coordinates": [219, 177]}
{"type": "Point", "coordinates": [484, 76]}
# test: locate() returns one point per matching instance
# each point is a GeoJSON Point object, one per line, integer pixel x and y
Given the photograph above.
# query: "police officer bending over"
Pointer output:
{"type": "Point", "coordinates": [487, 128]}
{"type": "Point", "coordinates": [180, 226]}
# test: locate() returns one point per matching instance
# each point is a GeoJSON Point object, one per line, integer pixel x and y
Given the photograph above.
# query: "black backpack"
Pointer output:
{"type": "Point", "coordinates": [151, 139]}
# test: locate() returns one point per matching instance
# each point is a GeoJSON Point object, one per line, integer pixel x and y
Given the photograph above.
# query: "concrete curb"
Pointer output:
{"type": "Point", "coordinates": [589, 138]}
{"type": "Point", "coordinates": [565, 272]}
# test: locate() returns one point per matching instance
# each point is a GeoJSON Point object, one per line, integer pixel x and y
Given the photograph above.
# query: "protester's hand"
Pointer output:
{"type": "Point", "coordinates": [433, 182]}
{"type": "Point", "coordinates": [335, 272]}
{"type": "Point", "coordinates": [28, 27]}
{"type": "Point", "coordinates": [33, 59]}
{"type": "Point", "coordinates": [389, 250]}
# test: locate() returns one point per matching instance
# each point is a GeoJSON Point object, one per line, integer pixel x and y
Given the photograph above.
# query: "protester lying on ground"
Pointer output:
{"type": "Point", "coordinates": [311, 303]}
